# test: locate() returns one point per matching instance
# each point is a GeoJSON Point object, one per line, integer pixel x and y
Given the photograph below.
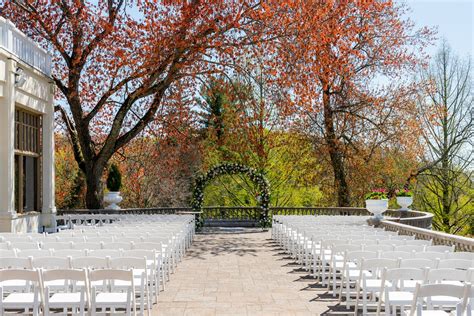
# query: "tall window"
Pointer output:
{"type": "Point", "coordinates": [28, 132]}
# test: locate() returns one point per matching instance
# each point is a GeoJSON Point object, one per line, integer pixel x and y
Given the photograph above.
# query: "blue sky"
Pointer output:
{"type": "Point", "coordinates": [454, 19]}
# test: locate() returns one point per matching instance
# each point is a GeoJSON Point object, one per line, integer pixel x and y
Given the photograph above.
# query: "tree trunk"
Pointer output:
{"type": "Point", "coordinates": [95, 191]}
{"type": "Point", "coordinates": [343, 196]}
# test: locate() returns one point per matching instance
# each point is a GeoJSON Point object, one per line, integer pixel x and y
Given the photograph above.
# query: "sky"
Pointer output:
{"type": "Point", "coordinates": [454, 20]}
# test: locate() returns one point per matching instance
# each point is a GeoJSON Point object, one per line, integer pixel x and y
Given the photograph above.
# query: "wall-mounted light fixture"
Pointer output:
{"type": "Point", "coordinates": [20, 77]}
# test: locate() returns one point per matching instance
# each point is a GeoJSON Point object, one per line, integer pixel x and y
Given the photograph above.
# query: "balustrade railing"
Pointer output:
{"type": "Point", "coordinates": [17, 43]}
{"type": "Point", "coordinates": [439, 238]}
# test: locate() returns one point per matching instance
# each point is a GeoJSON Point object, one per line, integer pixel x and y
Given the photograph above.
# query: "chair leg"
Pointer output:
{"type": "Point", "coordinates": [356, 306]}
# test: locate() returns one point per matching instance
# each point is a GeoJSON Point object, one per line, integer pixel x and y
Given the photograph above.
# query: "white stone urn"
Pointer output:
{"type": "Point", "coordinates": [113, 198]}
{"type": "Point", "coordinates": [376, 207]}
{"type": "Point", "coordinates": [404, 202]}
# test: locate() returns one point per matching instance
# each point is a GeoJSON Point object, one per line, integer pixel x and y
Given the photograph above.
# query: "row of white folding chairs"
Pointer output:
{"type": "Point", "coordinates": [341, 264]}
{"type": "Point", "coordinates": [350, 269]}
{"type": "Point", "coordinates": [148, 257]}
{"type": "Point", "coordinates": [376, 275]}
{"type": "Point", "coordinates": [77, 291]}
{"type": "Point", "coordinates": [163, 265]}
{"type": "Point", "coordinates": [332, 249]}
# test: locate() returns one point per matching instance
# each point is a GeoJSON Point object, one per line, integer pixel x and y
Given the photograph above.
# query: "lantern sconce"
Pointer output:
{"type": "Point", "coordinates": [20, 77]}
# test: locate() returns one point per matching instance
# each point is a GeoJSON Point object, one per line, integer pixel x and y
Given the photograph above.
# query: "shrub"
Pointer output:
{"type": "Point", "coordinates": [114, 179]}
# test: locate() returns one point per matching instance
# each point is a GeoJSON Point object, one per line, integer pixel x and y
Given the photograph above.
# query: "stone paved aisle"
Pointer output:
{"type": "Point", "coordinates": [240, 274]}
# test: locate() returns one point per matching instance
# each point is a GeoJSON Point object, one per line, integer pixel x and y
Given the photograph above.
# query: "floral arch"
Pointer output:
{"type": "Point", "coordinates": [229, 169]}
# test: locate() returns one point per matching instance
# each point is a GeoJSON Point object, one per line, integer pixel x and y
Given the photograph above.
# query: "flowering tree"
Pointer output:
{"type": "Point", "coordinates": [335, 69]}
{"type": "Point", "coordinates": [115, 62]}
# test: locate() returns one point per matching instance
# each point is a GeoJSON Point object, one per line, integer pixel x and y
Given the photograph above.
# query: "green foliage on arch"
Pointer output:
{"type": "Point", "coordinates": [230, 169]}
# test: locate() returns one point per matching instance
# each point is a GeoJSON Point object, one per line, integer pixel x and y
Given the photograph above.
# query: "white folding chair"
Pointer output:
{"type": "Point", "coordinates": [112, 301]}
{"type": "Point", "coordinates": [370, 279]}
{"type": "Point", "coordinates": [394, 293]}
{"type": "Point", "coordinates": [75, 298]}
{"type": "Point", "coordinates": [351, 272]}
{"type": "Point", "coordinates": [140, 272]}
{"type": "Point", "coordinates": [427, 291]}
{"type": "Point", "coordinates": [26, 300]}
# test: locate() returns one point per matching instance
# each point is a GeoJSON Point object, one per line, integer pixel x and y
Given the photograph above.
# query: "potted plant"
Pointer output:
{"type": "Point", "coordinates": [376, 202]}
{"type": "Point", "coordinates": [404, 198]}
{"type": "Point", "coordinates": [114, 183]}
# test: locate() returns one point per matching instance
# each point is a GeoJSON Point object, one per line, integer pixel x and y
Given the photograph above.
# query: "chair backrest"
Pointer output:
{"type": "Point", "coordinates": [5, 245]}
{"type": "Point", "coordinates": [394, 242]}
{"type": "Point", "coordinates": [433, 255]}
{"type": "Point", "coordinates": [440, 248]}
{"type": "Point", "coordinates": [78, 239]}
{"type": "Point", "coordinates": [128, 263]}
{"type": "Point", "coordinates": [140, 253]}
{"type": "Point", "coordinates": [111, 274]}
{"type": "Point", "coordinates": [396, 254]}
{"type": "Point", "coordinates": [148, 246]}
{"type": "Point", "coordinates": [87, 245]}
{"type": "Point", "coordinates": [419, 242]}
{"type": "Point", "coordinates": [74, 253]}
{"type": "Point", "coordinates": [410, 248]}
{"type": "Point", "coordinates": [90, 262]}
{"type": "Point", "coordinates": [418, 263]}
{"type": "Point", "coordinates": [64, 274]}
{"type": "Point", "coordinates": [33, 253]}
{"type": "Point", "coordinates": [24, 245]}
{"type": "Point", "coordinates": [97, 239]}
{"type": "Point", "coordinates": [7, 253]}
{"type": "Point", "coordinates": [398, 275]}
{"type": "Point", "coordinates": [51, 262]}
{"type": "Point", "coordinates": [428, 290]}
{"type": "Point", "coordinates": [118, 245]}
{"type": "Point", "coordinates": [57, 245]}
{"type": "Point", "coordinates": [380, 247]}
{"type": "Point", "coordinates": [357, 256]}
{"type": "Point", "coordinates": [18, 238]}
{"type": "Point", "coordinates": [446, 274]}
{"type": "Point", "coordinates": [456, 264]}
{"type": "Point", "coordinates": [102, 253]}
{"type": "Point", "coordinates": [460, 255]}
{"type": "Point", "coordinates": [15, 263]}
{"type": "Point", "coordinates": [20, 274]}
{"type": "Point", "coordinates": [377, 265]}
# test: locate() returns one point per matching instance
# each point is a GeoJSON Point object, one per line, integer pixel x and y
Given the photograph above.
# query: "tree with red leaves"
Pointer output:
{"type": "Point", "coordinates": [116, 61]}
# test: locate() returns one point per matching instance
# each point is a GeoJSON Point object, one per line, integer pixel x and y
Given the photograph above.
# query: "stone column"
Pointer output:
{"type": "Point", "coordinates": [7, 146]}
{"type": "Point", "coordinates": [48, 208]}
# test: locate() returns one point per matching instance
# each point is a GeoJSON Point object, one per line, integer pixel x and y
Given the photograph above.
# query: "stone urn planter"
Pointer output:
{"type": "Point", "coordinates": [404, 202]}
{"type": "Point", "coordinates": [112, 199]}
{"type": "Point", "coordinates": [377, 207]}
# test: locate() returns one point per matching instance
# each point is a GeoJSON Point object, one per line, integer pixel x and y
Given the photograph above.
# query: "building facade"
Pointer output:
{"type": "Point", "coordinates": [26, 134]}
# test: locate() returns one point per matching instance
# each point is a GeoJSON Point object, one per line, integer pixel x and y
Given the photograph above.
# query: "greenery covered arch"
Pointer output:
{"type": "Point", "coordinates": [229, 169]}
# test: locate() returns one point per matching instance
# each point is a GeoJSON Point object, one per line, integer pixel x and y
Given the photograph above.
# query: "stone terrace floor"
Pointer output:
{"type": "Point", "coordinates": [242, 273]}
